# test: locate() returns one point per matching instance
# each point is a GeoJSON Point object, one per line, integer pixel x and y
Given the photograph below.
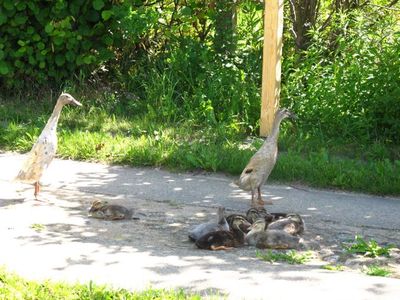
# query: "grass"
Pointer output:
{"type": "Point", "coordinates": [106, 134]}
{"type": "Point", "coordinates": [38, 227]}
{"type": "Point", "coordinates": [368, 248]}
{"type": "Point", "coordinates": [376, 270]}
{"type": "Point", "coordinates": [292, 257]}
{"type": "Point", "coordinates": [14, 287]}
{"type": "Point", "coordinates": [333, 267]}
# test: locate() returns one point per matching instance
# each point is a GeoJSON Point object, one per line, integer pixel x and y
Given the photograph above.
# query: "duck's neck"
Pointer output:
{"type": "Point", "coordinates": [53, 120]}
{"type": "Point", "coordinates": [273, 137]}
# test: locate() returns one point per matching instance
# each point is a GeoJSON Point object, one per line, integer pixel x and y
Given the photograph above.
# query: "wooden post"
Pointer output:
{"type": "Point", "coordinates": [271, 71]}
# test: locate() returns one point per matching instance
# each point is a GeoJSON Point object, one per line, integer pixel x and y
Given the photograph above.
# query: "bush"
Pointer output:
{"type": "Point", "coordinates": [348, 86]}
{"type": "Point", "coordinates": [44, 41]}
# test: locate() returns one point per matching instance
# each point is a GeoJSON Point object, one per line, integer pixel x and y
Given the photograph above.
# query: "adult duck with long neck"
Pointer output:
{"type": "Point", "coordinates": [263, 161]}
{"type": "Point", "coordinates": [45, 148]}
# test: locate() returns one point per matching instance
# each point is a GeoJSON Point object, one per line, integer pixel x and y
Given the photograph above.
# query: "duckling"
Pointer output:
{"type": "Point", "coordinates": [199, 230]}
{"type": "Point", "coordinates": [44, 150]}
{"type": "Point", "coordinates": [103, 210]}
{"type": "Point", "coordinates": [274, 239]}
{"type": "Point", "coordinates": [263, 161]}
{"type": "Point", "coordinates": [292, 224]}
{"type": "Point", "coordinates": [238, 219]}
{"type": "Point", "coordinates": [225, 240]}
{"type": "Point", "coordinates": [255, 213]}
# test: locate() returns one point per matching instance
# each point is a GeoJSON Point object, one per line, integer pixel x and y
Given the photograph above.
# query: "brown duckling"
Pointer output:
{"type": "Point", "coordinates": [225, 240]}
{"type": "Point", "coordinates": [103, 210]}
{"type": "Point", "coordinates": [255, 213]}
{"type": "Point", "coordinates": [292, 224]}
{"type": "Point", "coordinates": [273, 239]}
{"type": "Point", "coordinates": [238, 219]}
{"type": "Point", "coordinates": [199, 230]}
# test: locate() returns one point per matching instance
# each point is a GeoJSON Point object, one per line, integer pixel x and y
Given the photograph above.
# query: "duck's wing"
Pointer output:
{"type": "Point", "coordinates": [38, 159]}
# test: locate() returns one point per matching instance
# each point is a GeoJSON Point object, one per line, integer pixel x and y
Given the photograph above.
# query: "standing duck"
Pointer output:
{"type": "Point", "coordinates": [263, 161]}
{"type": "Point", "coordinates": [44, 150]}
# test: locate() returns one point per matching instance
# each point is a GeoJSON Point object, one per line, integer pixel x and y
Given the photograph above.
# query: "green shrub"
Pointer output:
{"type": "Point", "coordinates": [348, 85]}
{"type": "Point", "coordinates": [52, 41]}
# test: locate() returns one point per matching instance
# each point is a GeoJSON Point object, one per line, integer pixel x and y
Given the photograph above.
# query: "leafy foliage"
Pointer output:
{"type": "Point", "coordinates": [292, 257]}
{"type": "Point", "coordinates": [368, 248]}
{"type": "Point", "coordinates": [376, 270]}
{"type": "Point", "coordinates": [55, 40]}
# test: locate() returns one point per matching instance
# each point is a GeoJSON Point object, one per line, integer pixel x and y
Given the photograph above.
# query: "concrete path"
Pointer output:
{"type": "Point", "coordinates": [55, 239]}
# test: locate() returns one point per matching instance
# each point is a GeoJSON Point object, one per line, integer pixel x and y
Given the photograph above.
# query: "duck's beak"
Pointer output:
{"type": "Point", "coordinates": [75, 102]}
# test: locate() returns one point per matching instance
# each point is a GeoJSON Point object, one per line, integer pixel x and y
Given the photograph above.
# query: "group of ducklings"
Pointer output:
{"type": "Point", "coordinates": [257, 228]}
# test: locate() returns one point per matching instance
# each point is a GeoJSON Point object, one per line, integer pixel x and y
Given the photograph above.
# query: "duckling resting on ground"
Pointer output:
{"type": "Point", "coordinates": [292, 224]}
{"type": "Point", "coordinates": [238, 219]}
{"type": "Point", "coordinates": [103, 210]}
{"type": "Point", "coordinates": [263, 161]}
{"type": "Point", "coordinates": [202, 229]}
{"type": "Point", "coordinates": [255, 213]}
{"type": "Point", "coordinates": [225, 240]}
{"type": "Point", "coordinates": [273, 239]}
{"type": "Point", "coordinates": [44, 150]}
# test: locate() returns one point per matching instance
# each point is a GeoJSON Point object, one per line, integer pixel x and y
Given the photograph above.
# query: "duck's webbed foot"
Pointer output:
{"type": "Point", "coordinates": [215, 248]}
{"type": "Point", "coordinates": [260, 201]}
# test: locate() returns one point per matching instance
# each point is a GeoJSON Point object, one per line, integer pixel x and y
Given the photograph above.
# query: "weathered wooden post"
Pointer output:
{"type": "Point", "coordinates": [271, 71]}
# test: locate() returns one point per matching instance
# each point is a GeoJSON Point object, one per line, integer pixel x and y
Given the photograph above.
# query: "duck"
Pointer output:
{"type": "Point", "coordinates": [233, 219]}
{"type": "Point", "coordinates": [273, 239]}
{"type": "Point", "coordinates": [202, 229]}
{"type": "Point", "coordinates": [291, 223]}
{"type": "Point", "coordinates": [102, 210]}
{"type": "Point", "coordinates": [45, 148]}
{"type": "Point", "coordinates": [225, 240]}
{"type": "Point", "coordinates": [261, 164]}
{"type": "Point", "coordinates": [255, 213]}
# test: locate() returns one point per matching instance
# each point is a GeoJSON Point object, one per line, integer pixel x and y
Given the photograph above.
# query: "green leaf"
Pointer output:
{"type": "Point", "coordinates": [36, 37]}
{"type": "Point", "coordinates": [4, 69]}
{"type": "Point", "coordinates": [88, 59]}
{"type": "Point", "coordinates": [49, 28]}
{"type": "Point", "coordinates": [21, 43]}
{"type": "Point", "coordinates": [98, 4]}
{"type": "Point", "coordinates": [185, 11]}
{"type": "Point", "coordinates": [40, 46]}
{"type": "Point", "coordinates": [70, 56]}
{"type": "Point", "coordinates": [60, 60]}
{"type": "Point", "coordinates": [1, 54]}
{"type": "Point", "coordinates": [58, 40]}
{"type": "Point", "coordinates": [21, 5]}
{"type": "Point", "coordinates": [8, 4]}
{"type": "Point", "coordinates": [3, 18]}
{"type": "Point", "coordinates": [32, 60]}
{"type": "Point", "coordinates": [42, 65]}
{"type": "Point", "coordinates": [19, 20]}
{"type": "Point", "coordinates": [106, 14]}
